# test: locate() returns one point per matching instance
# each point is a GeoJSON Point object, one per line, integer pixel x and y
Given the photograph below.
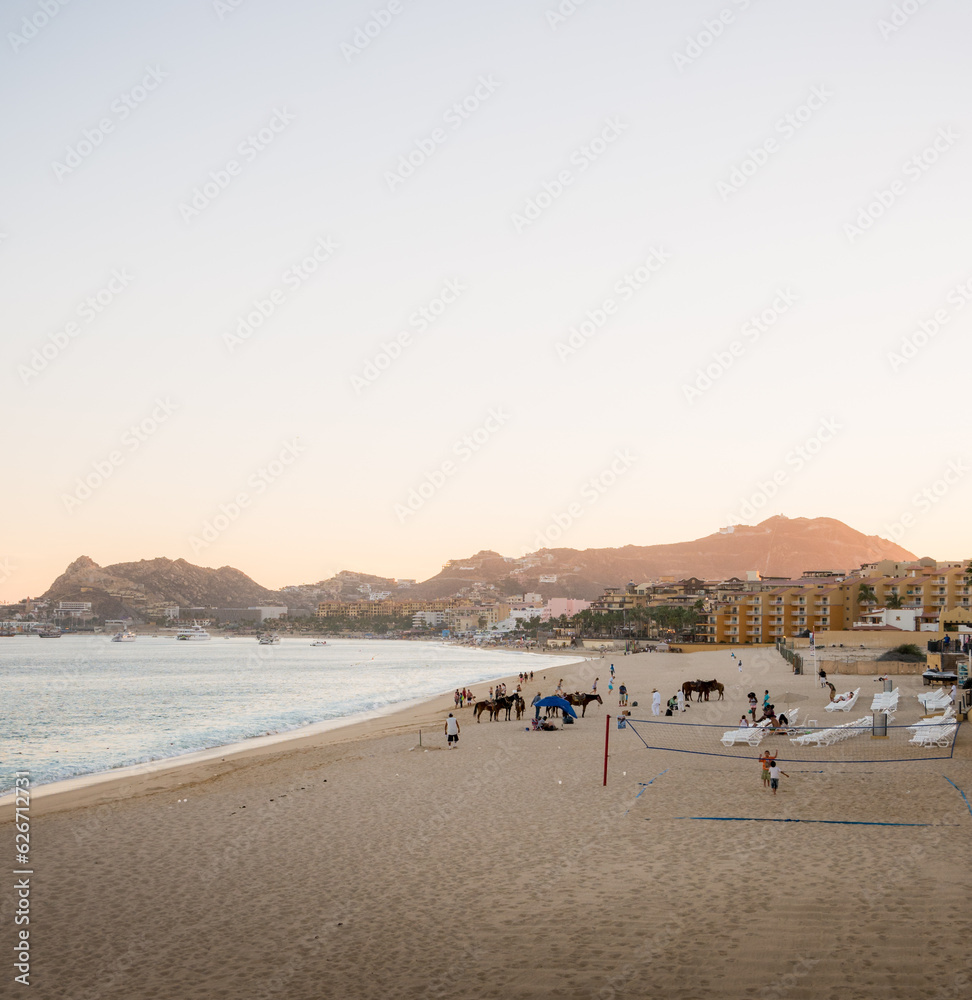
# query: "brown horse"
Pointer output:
{"type": "Point", "coordinates": [688, 688]}
{"type": "Point", "coordinates": [583, 700]}
{"type": "Point", "coordinates": [485, 706]}
{"type": "Point", "coordinates": [713, 685]}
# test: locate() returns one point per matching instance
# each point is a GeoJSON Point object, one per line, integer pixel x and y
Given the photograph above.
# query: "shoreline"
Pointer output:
{"type": "Point", "coordinates": [165, 773]}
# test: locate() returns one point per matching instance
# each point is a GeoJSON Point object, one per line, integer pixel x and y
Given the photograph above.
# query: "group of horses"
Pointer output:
{"type": "Point", "coordinates": [703, 689]}
{"type": "Point", "coordinates": [505, 703]}
{"type": "Point", "coordinates": [515, 703]}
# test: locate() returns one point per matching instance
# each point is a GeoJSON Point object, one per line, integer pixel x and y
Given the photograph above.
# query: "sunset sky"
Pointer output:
{"type": "Point", "coordinates": [307, 287]}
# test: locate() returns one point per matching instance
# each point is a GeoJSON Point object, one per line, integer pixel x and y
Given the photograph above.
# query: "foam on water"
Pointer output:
{"type": "Point", "coordinates": [82, 704]}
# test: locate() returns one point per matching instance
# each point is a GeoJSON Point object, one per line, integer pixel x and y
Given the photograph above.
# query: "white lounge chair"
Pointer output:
{"type": "Point", "coordinates": [934, 736]}
{"type": "Point", "coordinates": [885, 701]}
{"type": "Point", "coordinates": [844, 706]}
{"type": "Point", "coordinates": [932, 701]}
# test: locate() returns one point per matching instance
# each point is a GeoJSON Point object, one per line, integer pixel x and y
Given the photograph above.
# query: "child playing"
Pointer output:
{"type": "Point", "coordinates": [775, 773]}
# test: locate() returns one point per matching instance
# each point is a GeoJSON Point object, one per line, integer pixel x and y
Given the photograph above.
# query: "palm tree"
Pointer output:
{"type": "Point", "coordinates": [893, 602]}
{"type": "Point", "coordinates": [865, 594]}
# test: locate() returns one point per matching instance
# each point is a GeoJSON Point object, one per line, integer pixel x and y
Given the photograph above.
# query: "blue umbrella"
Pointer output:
{"type": "Point", "coordinates": [559, 702]}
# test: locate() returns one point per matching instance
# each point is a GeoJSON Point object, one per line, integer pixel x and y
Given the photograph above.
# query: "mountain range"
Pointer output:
{"type": "Point", "coordinates": [777, 547]}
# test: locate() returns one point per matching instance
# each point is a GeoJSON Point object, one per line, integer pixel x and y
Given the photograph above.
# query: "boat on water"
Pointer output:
{"type": "Point", "coordinates": [7, 633]}
{"type": "Point", "coordinates": [319, 642]}
{"type": "Point", "coordinates": [193, 633]}
{"type": "Point", "coordinates": [49, 633]}
{"type": "Point", "coordinates": [126, 636]}
{"type": "Point", "coordinates": [268, 639]}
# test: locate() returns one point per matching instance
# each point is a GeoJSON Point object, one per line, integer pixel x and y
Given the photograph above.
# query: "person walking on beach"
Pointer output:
{"type": "Point", "coordinates": [456, 697]}
{"type": "Point", "coordinates": [655, 701]}
{"type": "Point", "coordinates": [622, 695]}
{"type": "Point", "coordinates": [752, 704]}
{"type": "Point", "coordinates": [594, 685]}
{"type": "Point", "coordinates": [612, 671]}
{"type": "Point", "coordinates": [775, 773]}
{"type": "Point", "coordinates": [536, 705]}
{"type": "Point", "coordinates": [452, 731]}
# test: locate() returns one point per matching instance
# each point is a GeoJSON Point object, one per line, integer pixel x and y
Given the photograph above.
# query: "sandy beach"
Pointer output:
{"type": "Point", "coordinates": [356, 863]}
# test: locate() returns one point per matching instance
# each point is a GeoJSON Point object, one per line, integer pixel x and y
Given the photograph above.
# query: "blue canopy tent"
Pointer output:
{"type": "Point", "coordinates": [557, 702]}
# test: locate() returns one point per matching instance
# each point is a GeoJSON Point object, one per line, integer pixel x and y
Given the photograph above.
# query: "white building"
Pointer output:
{"type": "Point", "coordinates": [271, 611]}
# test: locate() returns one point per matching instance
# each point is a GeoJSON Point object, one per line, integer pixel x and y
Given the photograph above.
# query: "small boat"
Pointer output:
{"type": "Point", "coordinates": [7, 633]}
{"type": "Point", "coordinates": [193, 633]}
{"type": "Point", "coordinates": [319, 642]}
{"type": "Point", "coordinates": [49, 633]}
{"type": "Point", "coordinates": [127, 636]}
{"type": "Point", "coordinates": [268, 639]}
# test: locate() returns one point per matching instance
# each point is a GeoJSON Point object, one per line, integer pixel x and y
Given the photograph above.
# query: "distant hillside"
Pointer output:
{"type": "Point", "coordinates": [779, 546]}
{"type": "Point", "coordinates": [155, 581]}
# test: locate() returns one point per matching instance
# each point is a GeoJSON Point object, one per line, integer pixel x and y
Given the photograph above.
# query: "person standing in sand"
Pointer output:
{"type": "Point", "coordinates": [594, 685]}
{"type": "Point", "coordinates": [775, 773]}
{"type": "Point", "coordinates": [681, 700]}
{"type": "Point", "coordinates": [655, 701]}
{"type": "Point", "coordinates": [622, 695]}
{"type": "Point", "coordinates": [452, 731]}
{"type": "Point", "coordinates": [767, 760]}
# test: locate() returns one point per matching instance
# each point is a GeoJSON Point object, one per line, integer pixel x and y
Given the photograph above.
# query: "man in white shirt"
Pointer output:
{"type": "Point", "coordinates": [452, 731]}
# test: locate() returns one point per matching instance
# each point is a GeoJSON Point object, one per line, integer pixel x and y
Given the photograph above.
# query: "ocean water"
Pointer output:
{"type": "Point", "coordinates": [83, 704]}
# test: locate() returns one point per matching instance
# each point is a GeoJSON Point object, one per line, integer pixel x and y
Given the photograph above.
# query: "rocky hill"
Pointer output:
{"type": "Point", "coordinates": [127, 588]}
{"type": "Point", "coordinates": [779, 546]}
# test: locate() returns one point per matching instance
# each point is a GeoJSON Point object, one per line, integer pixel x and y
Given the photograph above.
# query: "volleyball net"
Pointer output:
{"type": "Point", "coordinates": [857, 741]}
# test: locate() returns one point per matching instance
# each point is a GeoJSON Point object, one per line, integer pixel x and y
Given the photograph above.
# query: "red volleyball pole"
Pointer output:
{"type": "Point", "coordinates": [607, 736]}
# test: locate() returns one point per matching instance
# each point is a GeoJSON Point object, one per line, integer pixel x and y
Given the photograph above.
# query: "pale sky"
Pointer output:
{"type": "Point", "coordinates": [634, 172]}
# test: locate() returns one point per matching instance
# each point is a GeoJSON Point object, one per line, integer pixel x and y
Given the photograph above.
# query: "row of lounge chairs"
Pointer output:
{"type": "Point", "coordinates": [827, 737]}
{"type": "Point", "coordinates": [934, 701]}
{"type": "Point", "coordinates": [938, 731]}
{"type": "Point", "coordinates": [885, 702]}
{"type": "Point", "coordinates": [753, 735]}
